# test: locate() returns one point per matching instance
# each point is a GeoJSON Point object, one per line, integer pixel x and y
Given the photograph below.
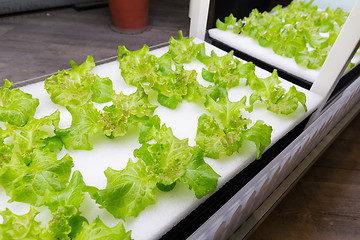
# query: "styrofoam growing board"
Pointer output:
{"type": "Point", "coordinates": [172, 206]}
{"type": "Point", "coordinates": [222, 224]}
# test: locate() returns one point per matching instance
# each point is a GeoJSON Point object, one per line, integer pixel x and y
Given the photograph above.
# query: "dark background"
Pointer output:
{"type": "Point", "coordinates": [242, 8]}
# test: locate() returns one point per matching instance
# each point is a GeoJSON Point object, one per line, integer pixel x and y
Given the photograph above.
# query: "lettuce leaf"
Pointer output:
{"type": "Point", "coordinates": [222, 132]}
{"type": "Point", "coordinates": [260, 134]}
{"type": "Point", "coordinates": [97, 230]}
{"type": "Point", "coordinates": [227, 112]}
{"type": "Point", "coordinates": [36, 134]}
{"type": "Point", "coordinates": [226, 70]}
{"type": "Point", "coordinates": [197, 93]}
{"type": "Point", "coordinates": [199, 175]}
{"type": "Point", "coordinates": [166, 158]}
{"type": "Point", "coordinates": [173, 86]}
{"type": "Point", "coordinates": [183, 50]}
{"type": "Point", "coordinates": [59, 226]}
{"type": "Point", "coordinates": [85, 123]}
{"type": "Point", "coordinates": [71, 195]}
{"type": "Point", "coordinates": [274, 96]}
{"type": "Point", "coordinates": [128, 191]}
{"type": "Point", "coordinates": [172, 82]}
{"type": "Point", "coordinates": [22, 226]}
{"type": "Point", "coordinates": [294, 43]}
{"type": "Point", "coordinates": [5, 150]}
{"type": "Point", "coordinates": [148, 127]}
{"type": "Point", "coordinates": [16, 107]}
{"type": "Point", "coordinates": [78, 85]}
{"type": "Point", "coordinates": [170, 160]}
{"type": "Point", "coordinates": [164, 154]}
{"type": "Point", "coordinates": [311, 59]}
{"type": "Point", "coordinates": [102, 90]}
{"type": "Point", "coordinates": [126, 111]}
{"type": "Point", "coordinates": [212, 139]}
{"type": "Point", "coordinates": [30, 182]}
{"type": "Point", "coordinates": [216, 141]}
{"type": "Point", "coordinates": [137, 67]}
{"type": "Point", "coordinates": [229, 21]}
{"type": "Point", "coordinates": [64, 206]}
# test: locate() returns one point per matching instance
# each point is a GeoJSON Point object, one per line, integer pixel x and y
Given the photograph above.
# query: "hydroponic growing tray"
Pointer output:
{"type": "Point", "coordinates": [174, 206]}
{"type": "Point", "coordinates": [249, 48]}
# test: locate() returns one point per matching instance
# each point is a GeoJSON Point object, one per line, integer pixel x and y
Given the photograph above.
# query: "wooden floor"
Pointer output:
{"type": "Point", "coordinates": [323, 205]}
{"type": "Point", "coordinates": [39, 43]}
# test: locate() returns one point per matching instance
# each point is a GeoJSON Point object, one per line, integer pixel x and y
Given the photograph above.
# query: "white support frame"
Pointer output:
{"type": "Point", "coordinates": [198, 14]}
{"type": "Point", "coordinates": [338, 59]}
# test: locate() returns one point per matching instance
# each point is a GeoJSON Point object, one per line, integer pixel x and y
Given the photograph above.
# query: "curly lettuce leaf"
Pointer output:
{"type": "Point", "coordinates": [172, 82]}
{"type": "Point", "coordinates": [294, 44]}
{"type": "Point", "coordinates": [275, 97]}
{"type": "Point", "coordinates": [126, 111]}
{"type": "Point", "coordinates": [197, 93]}
{"type": "Point", "coordinates": [148, 128]}
{"type": "Point", "coordinates": [316, 41]}
{"type": "Point", "coordinates": [200, 177]}
{"type": "Point", "coordinates": [167, 157]}
{"type": "Point", "coordinates": [128, 191]}
{"type": "Point", "coordinates": [137, 67]}
{"type": "Point", "coordinates": [97, 230]}
{"type": "Point", "coordinates": [311, 59]}
{"type": "Point", "coordinates": [78, 85]}
{"type": "Point", "coordinates": [215, 141]}
{"type": "Point", "coordinates": [229, 21]}
{"type": "Point", "coordinates": [60, 226]}
{"type": "Point", "coordinates": [289, 102]}
{"type": "Point", "coordinates": [85, 123]}
{"type": "Point", "coordinates": [171, 160]}
{"type": "Point", "coordinates": [227, 112]}
{"type": "Point", "coordinates": [71, 195]}
{"type": "Point", "coordinates": [22, 226]}
{"type": "Point", "coordinates": [173, 86]}
{"type": "Point", "coordinates": [5, 151]}
{"type": "Point", "coordinates": [64, 206]}
{"type": "Point", "coordinates": [36, 134]}
{"type": "Point", "coordinates": [222, 132]}
{"type": "Point", "coordinates": [102, 90]}
{"type": "Point", "coordinates": [209, 136]}
{"type": "Point", "coordinates": [225, 70]}
{"type": "Point", "coordinates": [30, 182]}
{"type": "Point", "coordinates": [183, 50]}
{"type": "Point", "coordinates": [260, 134]}
{"type": "Point", "coordinates": [16, 107]}
{"type": "Point", "coordinates": [71, 86]}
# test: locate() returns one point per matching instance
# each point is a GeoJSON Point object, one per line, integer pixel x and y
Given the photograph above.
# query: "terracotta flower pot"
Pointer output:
{"type": "Point", "coordinates": [130, 15]}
